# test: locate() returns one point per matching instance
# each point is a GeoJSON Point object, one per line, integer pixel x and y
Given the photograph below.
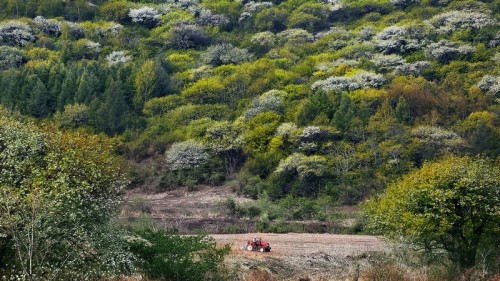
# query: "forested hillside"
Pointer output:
{"type": "Point", "coordinates": [307, 98]}
{"type": "Point", "coordinates": [304, 105]}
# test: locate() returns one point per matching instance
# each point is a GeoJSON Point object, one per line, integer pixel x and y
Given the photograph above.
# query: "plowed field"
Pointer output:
{"type": "Point", "coordinates": [313, 257]}
{"type": "Point", "coordinates": [294, 244]}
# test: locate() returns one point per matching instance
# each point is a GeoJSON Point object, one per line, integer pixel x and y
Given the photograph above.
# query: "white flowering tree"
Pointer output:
{"type": "Point", "coordinates": [186, 35]}
{"type": "Point", "coordinates": [400, 39]}
{"type": "Point", "coordinates": [48, 26]}
{"type": "Point", "coordinates": [449, 22]}
{"type": "Point", "coordinates": [16, 33]}
{"type": "Point", "coordinates": [269, 101]}
{"type": "Point", "coordinates": [225, 54]}
{"type": "Point", "coordinates": [145, 15]}
{"type": "Point", "coordinates": [414, 68]}
{"type": "Point", "coordinates": [404, 3]}
{"type": "Point", "coordinates": [186, 155]}
{"type": "Point", "coordinates": [490, 84]}
{"type": "Point", "coordinates": [360, 80]}
{"type": "Point", "coordinates": [189, 163]}
{"type": "Point", "coordinates": [264, 41]}
{"type": "Point", "coordinates": [433, 141]}
{"type": "Point", "coordinates": [295, 36]}
{"type": "Point", "coordinates": [387, 63]}
{"type": "Point", "coordinates": [445, 50]}
{"type": "Point", "coordinates": [117, 57]}
{"type": "Point", "coordinates": [208, 18]}
{"type": "Point", "coordinates": [11, 57]}
{"type": "Point", "coordinates": [252, 7]}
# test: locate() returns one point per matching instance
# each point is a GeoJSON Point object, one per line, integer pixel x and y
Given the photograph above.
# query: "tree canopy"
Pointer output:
{"type": "Point", "coordinates": [451, 204]}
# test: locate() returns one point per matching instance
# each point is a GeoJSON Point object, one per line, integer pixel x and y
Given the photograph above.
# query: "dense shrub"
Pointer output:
{"type": "Point", "coordinates": [170, 256]}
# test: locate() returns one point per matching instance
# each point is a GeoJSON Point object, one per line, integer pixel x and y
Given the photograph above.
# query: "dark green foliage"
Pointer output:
{"type": "Point", "coordinates": [111, 116]}
{"type": "Point", "coordinates": [170, 256]}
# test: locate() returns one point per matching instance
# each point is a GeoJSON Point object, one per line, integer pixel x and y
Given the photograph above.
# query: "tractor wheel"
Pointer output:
{"type": "Point", "coordinates": [249, 248]}
{"type": "Point", "coordinates": [262, 250]}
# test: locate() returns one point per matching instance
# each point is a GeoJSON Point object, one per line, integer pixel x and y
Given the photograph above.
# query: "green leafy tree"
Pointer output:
{"type": "Point", "coordinates": [451, 204]}
{"type": "Point", "coordinates": [74, 116]}
{"type": "Point", "coordinates": [144, 83]}
{"type": "Point", "coordinates": [58, 192]}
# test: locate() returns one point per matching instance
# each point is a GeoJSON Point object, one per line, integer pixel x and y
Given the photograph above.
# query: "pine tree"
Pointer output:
{"type": "Point", "coordinates": [88, 87]}
{"type": "Point", "coordinates": [9, 88]}
{"type": "Point", "coordinates": [68, 89]}
{"type": "Point", "coordinates": [113, 113]}
{"type": "Point", "coordinates": [38, 105]}
{"type": "Point", "coordinates": [343, 114]}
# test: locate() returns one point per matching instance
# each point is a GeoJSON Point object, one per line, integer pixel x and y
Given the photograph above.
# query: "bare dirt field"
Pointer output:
{"type": "Point", "coordinates": [296, 244]}
{"type": "Point", "coordinates": [302, 256]}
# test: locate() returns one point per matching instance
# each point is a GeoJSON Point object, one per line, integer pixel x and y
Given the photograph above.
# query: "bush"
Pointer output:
{"type": "Point", "coordinates": [169, 256]}
{"type": "Point", "coordinates": [188, 154]}
{"type": "Point", "coordinates": [74, 116]}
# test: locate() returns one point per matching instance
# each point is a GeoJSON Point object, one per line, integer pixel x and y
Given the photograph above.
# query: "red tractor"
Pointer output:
{"type": "Point", "coordinates": [257, 244]}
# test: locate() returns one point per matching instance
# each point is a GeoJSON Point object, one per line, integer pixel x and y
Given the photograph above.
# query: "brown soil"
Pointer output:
{"type": "Point", "coordinates": [302, 256]}
{"type": "Point", "coordinates": [297, 244]}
